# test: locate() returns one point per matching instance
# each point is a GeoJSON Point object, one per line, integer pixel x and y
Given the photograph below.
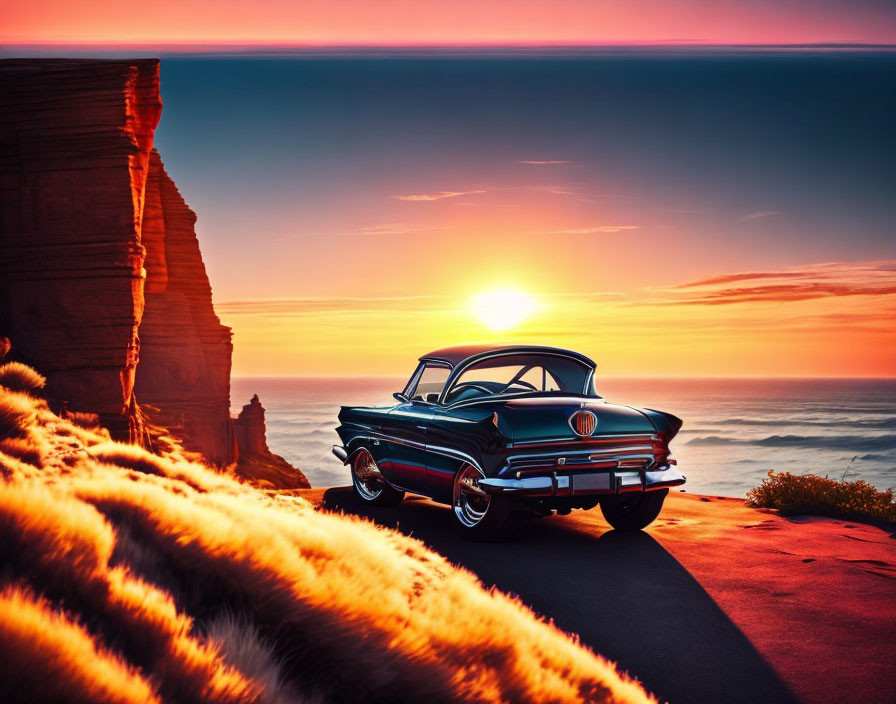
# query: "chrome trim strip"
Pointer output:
{"type": "Point", "coordinates": [551, 455]}
{"type": "Point", "coordinates": [456, 454]}
{"type": "Point", "coordinates": [589, 389]}
{"type": "Point", "coordinates": [556, 485]}
{"type": "Point", "coordinates": [523, 466]}
{"type": "Point", "coordinates": [444, 451]}
{"type": "Point", "coordinates": [578, 441]}
{"type": "Point", "coordinates": [507, 397]}
{"type": "Point", "coordinates": [398, 441]}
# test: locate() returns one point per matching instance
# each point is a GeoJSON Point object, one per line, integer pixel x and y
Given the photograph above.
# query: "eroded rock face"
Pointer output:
{"type": "Point", "coordinates": [185, 351]}
{"type": "Point", "coordinates": [75, 140]}
{"type": "Point", "coordinates": [102, 284]}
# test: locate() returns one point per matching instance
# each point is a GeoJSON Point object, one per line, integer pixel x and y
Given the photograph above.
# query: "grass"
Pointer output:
{"type": "Point", "coordinates": [16, 376]}
{"type": "Point", "coordinates": [133, 577]}
{"type": "Point", "coordinates": [801, 494]}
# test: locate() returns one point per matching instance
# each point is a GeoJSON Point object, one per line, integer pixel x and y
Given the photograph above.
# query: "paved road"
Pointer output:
{"type": "Point", "coordinates": [622, 593]}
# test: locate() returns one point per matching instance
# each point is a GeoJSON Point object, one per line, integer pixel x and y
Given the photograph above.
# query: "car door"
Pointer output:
{"type": "Point", "coordinates": [407, 426]}
{"type": "Point", "coordinates": [445, 445]}
{"type": "Point", "coordinates": [405, 437]}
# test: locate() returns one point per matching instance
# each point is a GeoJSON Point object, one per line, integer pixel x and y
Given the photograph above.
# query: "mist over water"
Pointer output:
{"type": "Point", "coordinates": [735, 430]}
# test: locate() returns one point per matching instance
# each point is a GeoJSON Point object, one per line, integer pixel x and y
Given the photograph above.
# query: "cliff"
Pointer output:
{"type": "Point", "coordinates": [102, 284]}
{"type": "Point", "coordinates": [185, 351]}
{"type": "Point", "coordinates": [75, 140]}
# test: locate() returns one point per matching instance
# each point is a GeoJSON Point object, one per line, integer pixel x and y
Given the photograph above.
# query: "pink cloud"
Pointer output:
{"type": "Point", "coordinates": [595, 230]}
{"type": "Point", "coordinates": [440, 195]}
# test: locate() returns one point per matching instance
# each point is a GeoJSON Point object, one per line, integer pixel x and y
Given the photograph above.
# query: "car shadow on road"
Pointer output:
{"type": "Point", "coordinates": [622, 593]}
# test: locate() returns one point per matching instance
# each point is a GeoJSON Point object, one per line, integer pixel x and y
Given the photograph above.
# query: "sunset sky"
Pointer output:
{"type": "Point", "coordinates": [668, 212]}
{"type": "Point", "coordinates": [666, 215]}
{"type": "Point", "coordinates": [452, 21]}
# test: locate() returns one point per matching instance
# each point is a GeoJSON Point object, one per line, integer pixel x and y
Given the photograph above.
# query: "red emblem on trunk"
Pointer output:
{"type": "Point", "coordinates": [583, 423]}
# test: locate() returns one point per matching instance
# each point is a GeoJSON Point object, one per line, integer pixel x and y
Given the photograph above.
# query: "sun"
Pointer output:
{"type": "Point", "coordinates": [503, 310]}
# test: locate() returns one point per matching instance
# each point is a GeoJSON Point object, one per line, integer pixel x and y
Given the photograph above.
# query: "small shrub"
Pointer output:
{"type": "Point", "coordinates": [16, 376]}
{"type": "Point", "coordinates": [794, 494]}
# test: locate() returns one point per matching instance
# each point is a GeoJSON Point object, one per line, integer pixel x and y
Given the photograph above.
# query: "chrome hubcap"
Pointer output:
{"type": "Point", "coordinates": [470, 502]}
{"type": "Point", "coordinates": [366, 476]}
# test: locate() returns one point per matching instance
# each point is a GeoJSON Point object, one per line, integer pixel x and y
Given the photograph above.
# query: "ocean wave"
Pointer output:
{"type": "Point", "coordinates": [871, 424]}
{"type": "Point", "coordinates": [855, 443]}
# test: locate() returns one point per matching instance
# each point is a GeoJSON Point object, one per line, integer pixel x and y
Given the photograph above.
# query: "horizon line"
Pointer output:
{"type": "Point", "coordinates": [200, 46]}
{"type": "Point", "coordinates": [722, 377]}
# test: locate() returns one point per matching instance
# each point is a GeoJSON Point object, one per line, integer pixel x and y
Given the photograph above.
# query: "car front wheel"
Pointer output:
{"type": "Point", "coordinates": [481, 516]}
{"type": "Point", "coordinates": [634, 510]}
{"type": "Point", "coordinates": [369, 484]}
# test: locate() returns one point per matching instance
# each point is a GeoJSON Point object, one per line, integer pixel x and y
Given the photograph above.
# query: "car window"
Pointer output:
{"type": "Point", "coordinates": [499, 377]}
{"type": "Point", "coordinates": [519, 373]}
{"type": "Point", "coordinates": [430, 384]}
{"type": "Point", "coordinates": [541, 379]}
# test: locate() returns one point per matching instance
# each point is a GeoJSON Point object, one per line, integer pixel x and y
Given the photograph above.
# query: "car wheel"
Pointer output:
{"type": "Point", "coordinates": [480, 515]}
{"type": "Point", "coordinates": [633, 510]}
{"type": "Point", "coordinates": [369, 484]}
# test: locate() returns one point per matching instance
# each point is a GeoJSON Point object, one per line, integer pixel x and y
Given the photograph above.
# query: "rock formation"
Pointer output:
{"type": "Point", "coordinates": [75, 140]}
{"type": "Point", "coordinates": [185, 351]}
{"type": "Point", "coordinates": [256, 461]}
{"type": "Point", "coordinates": [102, 284]}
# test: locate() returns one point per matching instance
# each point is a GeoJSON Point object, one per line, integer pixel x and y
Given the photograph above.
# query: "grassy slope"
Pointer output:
{"type": "Point", "coordinates": [131, 577]}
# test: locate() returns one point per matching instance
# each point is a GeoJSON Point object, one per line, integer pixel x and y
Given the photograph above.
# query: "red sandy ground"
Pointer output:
{"type": "Point", "coordinates": [816, 597]}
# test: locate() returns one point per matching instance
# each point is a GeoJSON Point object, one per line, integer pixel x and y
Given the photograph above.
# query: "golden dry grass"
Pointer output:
{"type": "Point", "coordinates": [16, 376]}
{"type": "Point", "coordinates": [154, 577]}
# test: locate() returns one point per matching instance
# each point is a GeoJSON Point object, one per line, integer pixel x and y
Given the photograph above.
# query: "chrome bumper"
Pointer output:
{"type": "Point", "coordinates": [340, 453]}
{"type": "Point", "coordinates": [611, 482]}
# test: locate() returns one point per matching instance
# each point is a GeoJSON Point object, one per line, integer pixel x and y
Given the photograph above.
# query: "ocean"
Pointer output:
{"type": "Point", "coordinates": [735, 430]}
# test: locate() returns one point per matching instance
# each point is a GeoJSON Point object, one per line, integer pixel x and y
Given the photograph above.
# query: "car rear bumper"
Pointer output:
{"type": "Point", "coordinates": [340, 453]}
{"type": "Point", "coordinates": [609, 482]}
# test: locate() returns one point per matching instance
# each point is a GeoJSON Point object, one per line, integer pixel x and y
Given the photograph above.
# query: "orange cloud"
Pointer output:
{"type": "Point", "coordinates": [827, 280]}
{"type": "Point", "coordinates": [730, 278]}
{"type": "Point", "coordinates": [549, 162]}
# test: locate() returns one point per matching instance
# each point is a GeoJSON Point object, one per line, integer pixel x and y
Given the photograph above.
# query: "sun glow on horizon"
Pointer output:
{"type": "Point", "coordinates": [504, 309]}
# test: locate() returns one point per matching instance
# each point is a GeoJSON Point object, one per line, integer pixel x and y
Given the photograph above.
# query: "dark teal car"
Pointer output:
{"type": "Point", "coordinates": [513, 429]}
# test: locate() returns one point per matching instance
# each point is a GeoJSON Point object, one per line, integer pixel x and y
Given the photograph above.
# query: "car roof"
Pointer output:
{"type": "Point", "coordinates": [455, 355]}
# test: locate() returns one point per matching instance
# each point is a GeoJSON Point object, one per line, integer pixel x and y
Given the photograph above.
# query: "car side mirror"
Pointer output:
{"type": "Point", "coordinates": [398, 396]}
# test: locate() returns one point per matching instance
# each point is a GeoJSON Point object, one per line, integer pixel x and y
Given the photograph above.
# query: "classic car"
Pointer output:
{"type": "Point", "coordinates": [498, 430]}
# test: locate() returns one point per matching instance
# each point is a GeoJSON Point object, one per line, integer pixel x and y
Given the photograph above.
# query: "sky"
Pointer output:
{"type": "Point", "coordinates": [667, 215]}
{"type": "Point", "coordinates": [451, 21]}
{"type": "Point", "coordinates": [705, 209]}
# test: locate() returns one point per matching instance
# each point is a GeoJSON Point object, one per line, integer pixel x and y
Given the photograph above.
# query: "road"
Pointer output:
{"type": "Point", "coordinates": [624, 595]}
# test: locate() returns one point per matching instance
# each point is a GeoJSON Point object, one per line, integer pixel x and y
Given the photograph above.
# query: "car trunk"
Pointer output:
{"type": "Point", "coordinates": [540, 418]}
